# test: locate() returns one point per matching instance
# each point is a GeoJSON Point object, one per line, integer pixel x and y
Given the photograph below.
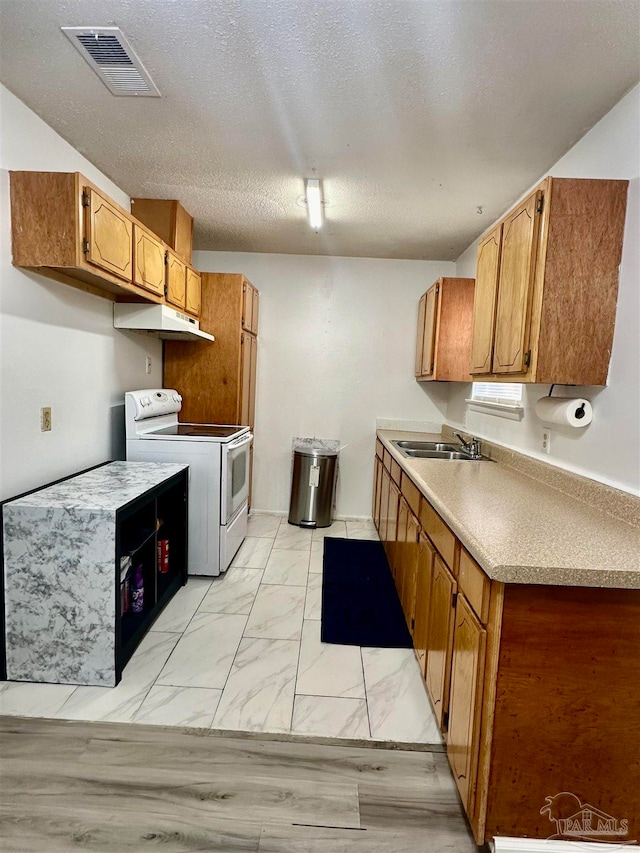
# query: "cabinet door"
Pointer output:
{"type": "Point", "coordinates": [193, 292]}
{"type": "Point", "coordinates": [440, 638]}
{"type": "Point", "coordinates": [385, 485]}
{"type": "Point", "coordinates": [377, 489]}
{"type": "Point", "coordinates": [465, 700]}
{"type": "Point", "coordinates": [109, 235]}
{"type": "Point", "coordinates": [148, 261]}
{"type": "Point", "coordinates": [252, 382]}
{"type": "Point", "coordinates": [517, 270]}
{"type": "Point", "coordinates": [392, 523]}
{"type": "Point", "coordinates": [484, 302]}
{"type": "Point", "coordinates": [183, 232]}
{"type": "Point", "coordinates": [430, 317]}
{"type": "Point", "coordinates": [255, 310]}
{"type": "Point", "coordinates": [245, 378]}
{"type": "Point", "coordinates": [400, 547]}
{"type": "Point", "coordinates": [424, 573]}
{"type": "Point", "coordinates": [420, 335]}
{"type": "Point", "coordinates": [176, 280]}
{"type": "Point", "coordinates": [247, 305]}
{"type": "Point", "coordinates": [410, 565]}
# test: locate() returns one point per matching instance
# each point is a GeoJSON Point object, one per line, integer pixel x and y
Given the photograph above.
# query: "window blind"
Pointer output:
{"type": "Point", "coordinates": [507, 393]}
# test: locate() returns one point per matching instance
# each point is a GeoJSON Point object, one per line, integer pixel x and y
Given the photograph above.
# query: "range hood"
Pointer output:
{"type": "Point", "coordinates": [158, 320]}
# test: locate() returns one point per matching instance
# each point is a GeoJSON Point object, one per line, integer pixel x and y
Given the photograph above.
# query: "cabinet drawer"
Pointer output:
{"type": "Point", "coordinates": [379, 449]}
{"type": "Point", "coordinates": [475, 585]}
{"type": "Point", "coordinates": [396, 472]}
{"type": "Point", "coordinates": [386, 459]}
{"type": "Point", "coordinates": [439, 533]}
{"type": "Point", "coordinates": [411, 494]}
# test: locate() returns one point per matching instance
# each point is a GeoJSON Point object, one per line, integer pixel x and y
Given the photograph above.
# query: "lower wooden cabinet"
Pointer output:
{"type": "Point", "coordinates": [440, 639]}
{"type": "Point", "coordinates": [385, 486]}
{"type": "Point", "coordinates": [397, 564]}
{"type": "Point", "coordinates": [393, 508]}
{"type": "Point", "coordinates": [410, 568]}
{"type": "Point", "coordinates": [424, 576]}
{"type": "Point", "coordinates": [532, 686]}
{"type": "Point", "coordinates": [377, 492]}
{"type": "Point", "coordinates": [465, 700]}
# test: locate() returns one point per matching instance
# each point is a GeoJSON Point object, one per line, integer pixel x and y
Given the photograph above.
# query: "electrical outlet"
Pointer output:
{"type": "Point", "coordinates": [546, 441]}
{"type": "Point", "coordinates": [45, 419]}
{"type": "Point", "coordinates": [147, 364]}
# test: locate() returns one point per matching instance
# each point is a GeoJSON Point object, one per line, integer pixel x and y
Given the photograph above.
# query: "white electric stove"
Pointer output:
{"type": "Point", "coordinates": [218, 459]}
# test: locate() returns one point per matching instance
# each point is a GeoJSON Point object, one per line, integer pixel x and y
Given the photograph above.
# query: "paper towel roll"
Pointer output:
{"type": "Point", "coordinates": [568, 411]}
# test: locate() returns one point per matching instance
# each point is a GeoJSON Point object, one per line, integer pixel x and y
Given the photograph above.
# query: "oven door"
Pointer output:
{"type": "Point", "coordinates": [235, 476]}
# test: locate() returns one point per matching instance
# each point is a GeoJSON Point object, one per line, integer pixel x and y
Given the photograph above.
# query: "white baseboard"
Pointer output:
{"type": "Point", "coordinates": [532, 845]}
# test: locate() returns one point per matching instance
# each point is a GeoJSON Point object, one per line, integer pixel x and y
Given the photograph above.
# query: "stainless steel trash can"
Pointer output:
{"type": "Point", "coordinates": [312, 487]}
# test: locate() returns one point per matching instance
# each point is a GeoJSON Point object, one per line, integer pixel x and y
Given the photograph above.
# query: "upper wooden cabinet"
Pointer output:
{"type": "Point", "coordinates": [217, 383]}
{"type": "Point", "coordinates": [193, 292]}
{"type": "Point", "coordinates": [109, 235]}
{"type": "Point", "coordinates": [169, 220]}
{"type": "Point", "coordinates": [547, 285]}
{"type": "Point", "coordinates": [484, 305]}
{"type": "Point", "coordinates": [63, 226]}
{"type": "Point", "coordinates": [148, 260]}
{"type": "Point", "coordinates": [183, 284]}
{"type": "Point", "coordinates": [250, 307]}
{"type": "Point", "coordinates": [176, 289]}
{"type": "Point", "coordinates": [444, 331]}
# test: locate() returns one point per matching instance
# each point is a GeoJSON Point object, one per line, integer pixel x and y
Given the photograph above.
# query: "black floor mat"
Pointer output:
{"type": "Point", "coordinates": [360, 606]}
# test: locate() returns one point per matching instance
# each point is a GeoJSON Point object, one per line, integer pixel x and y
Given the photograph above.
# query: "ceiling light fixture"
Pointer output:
{"type": "Point", "coordinates": [313, 190]}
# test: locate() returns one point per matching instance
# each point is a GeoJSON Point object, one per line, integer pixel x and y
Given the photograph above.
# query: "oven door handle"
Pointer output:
{"type": "Point", "coordinates": [240, 442]}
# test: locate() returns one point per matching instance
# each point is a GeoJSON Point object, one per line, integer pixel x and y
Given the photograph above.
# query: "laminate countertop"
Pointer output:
{"type": "Point", "coordinates": [105, 488]}
{"type": "Point", "coordinates": [521, 530]}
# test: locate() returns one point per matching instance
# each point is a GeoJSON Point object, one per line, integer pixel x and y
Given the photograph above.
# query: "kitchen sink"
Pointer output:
{"type": "Point", "coordinates": [433, 450]}
{"type": "Point", "coordinates": [436, 454]}
{"type": "Point", "coordinates": [425, 445]}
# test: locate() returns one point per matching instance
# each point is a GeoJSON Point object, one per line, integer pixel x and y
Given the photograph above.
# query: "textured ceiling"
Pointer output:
{"type": "Point", "coordinates": [414, 113]}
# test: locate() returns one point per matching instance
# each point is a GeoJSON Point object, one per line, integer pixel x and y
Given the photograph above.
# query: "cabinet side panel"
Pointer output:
{"type": "Point", "coordinates": [44, 219]}
{"type": "Point", "coordinates": [208, 374]}
{"type": "Point", "coordinates": [157, 215]}
{"type": "Point", "coordinates": [183, 231]}
{"type": "Point", "coordinates": [584, 249]}
{"type": "Point", "coordinates": [60, 595]}
{"type": "Point", "coordinates": [455, 330]}
{"type": "Point", "coordinates": [567, 715]}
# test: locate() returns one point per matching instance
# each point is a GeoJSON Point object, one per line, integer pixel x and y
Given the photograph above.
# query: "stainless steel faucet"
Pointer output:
{"type": "Point", "coordinates": [473, 447]}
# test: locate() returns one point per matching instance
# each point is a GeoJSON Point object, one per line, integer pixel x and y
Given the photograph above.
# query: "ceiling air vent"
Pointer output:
{"type": "Point", "coordinates": [113, 59]}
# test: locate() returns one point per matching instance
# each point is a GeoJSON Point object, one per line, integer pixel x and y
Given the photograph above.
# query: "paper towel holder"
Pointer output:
{"type": "Point", "coordinates": [580, 411]}
{"type": "Point", "coordinates": [575, 412]}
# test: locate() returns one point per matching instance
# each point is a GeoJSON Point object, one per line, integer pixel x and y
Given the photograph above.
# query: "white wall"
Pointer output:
{"type": "Point", "coordinates": [608, 449]}
{"type": "Point", "coordinates": [58, 345]}
{"type": "Point", "coordinates": [337, 342]}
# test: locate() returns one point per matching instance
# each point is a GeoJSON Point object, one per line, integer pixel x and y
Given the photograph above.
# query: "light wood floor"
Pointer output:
{"type": "Point", "coordinates": [123, 788]}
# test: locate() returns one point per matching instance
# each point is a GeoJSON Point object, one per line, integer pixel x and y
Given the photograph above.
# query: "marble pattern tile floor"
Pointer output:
{"type": "Point", "coordinates": [242, 652]}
